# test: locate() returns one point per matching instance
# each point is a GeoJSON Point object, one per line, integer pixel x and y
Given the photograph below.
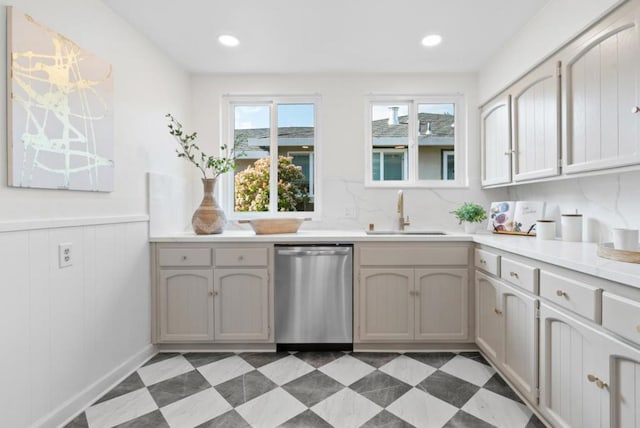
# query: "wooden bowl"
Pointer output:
{"type": "Point", "coordinates": [270, 226]}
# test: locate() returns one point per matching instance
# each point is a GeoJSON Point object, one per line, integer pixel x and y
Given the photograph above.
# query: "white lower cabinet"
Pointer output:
{"type": "Point", "coordinates": [507, 331]}
{"type": "Point", "coordinates": [241, 304]}
{"type": "Point", "coordinates": [587, 378]}
{"type": "Point", "coordinates": [185, 300]}
{"type": "Point", "coordinates": [413, 304]}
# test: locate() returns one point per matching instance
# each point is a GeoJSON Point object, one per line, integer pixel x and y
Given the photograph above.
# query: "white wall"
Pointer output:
{"type": "Point", "coordinates": [68, 334]}
{"type": "Point", "coordinates": [342, 136]}
{"type": "Point", "coordinates": [555, 24]}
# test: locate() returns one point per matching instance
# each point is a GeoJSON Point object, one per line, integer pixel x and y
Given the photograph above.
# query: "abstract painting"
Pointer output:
{"type": "Point", "coordinates": [60, 111]}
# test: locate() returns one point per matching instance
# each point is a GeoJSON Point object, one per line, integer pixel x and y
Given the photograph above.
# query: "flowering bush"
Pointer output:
{"type": "Point", "coordinates": [252, 186]}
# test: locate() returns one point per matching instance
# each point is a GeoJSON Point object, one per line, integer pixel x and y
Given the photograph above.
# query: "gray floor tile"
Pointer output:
{"type": "Point", "coordinates": [231, 419]}
{"type": "Point", "coordinates": [259, 359]}
{"type": "Point", "coordinates": [375, 359]}
{"type": "Point", "coordinates": [380, 388]}
{"type": "Point", "coordinates": [499, 386]}
{"type": "Point", "coordinates": [318, 359]}
{"type": "Point", "coordinates": [312, 388]}
{"type": "Point", "coordinates": [465, 420]}
{"type": "Point", "coordinates": [198, 359]}
{"type": "Point", "coordinates": [306, 419]}
{"type": "Point", "coordinates": [385, 419]}
{"type": "Point", "coordinates": [475, 356]}
{"type": "Point", "coordinates": [244, 388]}
{"type": "Point", "coordinates": [79, 421]}
{"type": "Point", "coordinates": [433, 359]}
{"type": "Point", "coordinates": [150, 420]}
{"type": "Point", "coordinates": [178, 387]}
{"type": "Point", "coordinates": [446, 387]}
{"type": "Point", "coordinates": [130, 384]}
{"type": "Point", "coordinates": [161, 357]}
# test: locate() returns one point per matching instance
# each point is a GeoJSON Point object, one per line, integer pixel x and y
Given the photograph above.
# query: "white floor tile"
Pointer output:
{"type": "Point", "coordinates": [120, 409]}
{"type": "Point", "coordinates": [285, 369]}
{"type": "Point", "coordinates": [422, 410]}
{"type": "Point", "coordinates": [164, 370]}
{"type": "Point", "coordinates": [346, 370]}
{"type": "Point", "coordinates": [271, 409]}
{"type": "Point", "coordinates": [224, 370]}
{"type": "Point", "coordinates": [497, 410]}
{"type": "Point", "coordinates": [469, 370]}
{"type": "Point", "coordinates": [407, 370]}
{"type": "Point", "coordinates": [346, 409]}
{"type": "Point", "coordinates": [195, 409]}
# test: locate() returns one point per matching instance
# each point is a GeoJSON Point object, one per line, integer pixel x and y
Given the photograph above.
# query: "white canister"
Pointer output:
{"type": "Point", "coordinates": [545, 229]}
{"type": "Point", "coordinates": [572, 227]}
{"type": "Point", "coordinates": [625, 239]}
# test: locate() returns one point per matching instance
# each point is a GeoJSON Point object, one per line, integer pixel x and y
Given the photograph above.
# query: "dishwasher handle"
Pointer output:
{"type": "Point", "coordinates": [314, 252]}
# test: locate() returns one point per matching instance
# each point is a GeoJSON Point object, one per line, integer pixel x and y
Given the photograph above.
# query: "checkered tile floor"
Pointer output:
{"type": "Point", "coordinates": [311, 389]}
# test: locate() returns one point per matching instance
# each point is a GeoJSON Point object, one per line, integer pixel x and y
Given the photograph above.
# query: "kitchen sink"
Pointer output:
{"type": "Point", "coordinates": [405, 232]}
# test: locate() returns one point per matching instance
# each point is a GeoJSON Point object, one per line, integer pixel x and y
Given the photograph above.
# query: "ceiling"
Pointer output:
{"type": "Point", "coordinates": [279, 36]}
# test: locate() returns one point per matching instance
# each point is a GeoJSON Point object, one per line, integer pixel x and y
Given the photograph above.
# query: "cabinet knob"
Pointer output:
{"type": "Point", "coordinates": [240, 258]}
{"type": "Point", "coordinates": [497, 311]}
{"type": "Point", "coordinates": [184, 258]}
{"type": "Point", "coordinates": [509, 153]}
{"type": "Point", "coordinates": [599, 382]}
{"type": "Point", "coordinates": [483, 261]}
{"type": "Point", "coordinates": [514, 274]}
{"type": "Point", "coordinates": [210, 293]}
{"type": "Point", "coordinates": [561, 293]}
{"type": "Point", "coordinates": [636, 109]}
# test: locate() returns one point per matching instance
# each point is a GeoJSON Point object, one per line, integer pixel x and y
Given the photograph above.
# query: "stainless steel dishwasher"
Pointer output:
{"type": "Point", "coordinates": [314, 297]}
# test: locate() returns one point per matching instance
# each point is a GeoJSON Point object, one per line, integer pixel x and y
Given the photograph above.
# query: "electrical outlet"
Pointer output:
{"type": "Point", "coordinates": [65, 255]}
{"type": "Point", "coordinates": [349, 212]}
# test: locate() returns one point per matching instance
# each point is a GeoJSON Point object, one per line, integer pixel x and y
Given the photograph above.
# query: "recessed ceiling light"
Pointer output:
{"type": "Point", "coordinates": [228, 40]}
{"type": "Point", "coordinates": [432, 40]}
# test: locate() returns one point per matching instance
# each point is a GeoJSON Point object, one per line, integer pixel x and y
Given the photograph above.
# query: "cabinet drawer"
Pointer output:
{"type": "Point", "coordinates": [519, 274]}
{"type": "Point", "coordinates": [242, 256]}
{"type": "Point", "coordinates": [487, 261]}
{"type": "Point", "coordinates": [621, 316]}
{"type": "Point", "coordinates": [573, 295]}
{"type": "Point", "coordinates": [414, 256]}
{"type": "Point", "coordinates": [184, 257]}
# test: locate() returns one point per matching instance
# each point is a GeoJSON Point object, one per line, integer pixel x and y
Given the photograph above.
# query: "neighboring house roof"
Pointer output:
{"type": "Point", "coordinates": [441, 126]}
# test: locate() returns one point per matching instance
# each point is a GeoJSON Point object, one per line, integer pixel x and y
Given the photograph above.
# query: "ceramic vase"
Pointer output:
{"type": "Point", "coordinates": [470, 228]}
{"type": "Point", "coordinates": [209, 218]}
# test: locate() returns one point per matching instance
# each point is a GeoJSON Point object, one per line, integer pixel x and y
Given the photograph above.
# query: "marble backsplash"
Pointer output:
{"type": "Point", "coordinates": [605, 201]}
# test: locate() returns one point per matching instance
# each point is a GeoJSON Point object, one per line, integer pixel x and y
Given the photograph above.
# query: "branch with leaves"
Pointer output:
{"type": "Point", "coordinates": [189, 150]}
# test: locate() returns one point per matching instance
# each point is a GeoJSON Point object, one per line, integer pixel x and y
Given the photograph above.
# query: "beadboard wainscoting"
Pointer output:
{"type": "Point", "coordinates": [70, 333]}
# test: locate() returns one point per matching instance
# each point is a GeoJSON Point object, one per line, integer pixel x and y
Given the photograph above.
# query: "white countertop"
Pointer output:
{"type": "Point", "coordinates": [579, 256]}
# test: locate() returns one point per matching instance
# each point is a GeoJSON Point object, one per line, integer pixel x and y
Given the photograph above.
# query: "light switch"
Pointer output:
{"type": "Point", "coordinates": [65, 255]}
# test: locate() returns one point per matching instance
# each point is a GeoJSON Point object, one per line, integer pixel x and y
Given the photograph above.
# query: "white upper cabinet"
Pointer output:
{"type": "Point", "coordinates": [536, 123]}
{"type": "Point", "coordinates": [496, 142]}
{"type": "Point", "coordinates": [601, 79]}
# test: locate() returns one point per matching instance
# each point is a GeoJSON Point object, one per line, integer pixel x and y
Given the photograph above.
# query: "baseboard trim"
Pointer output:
{"type": "Point", "coordinates": [216, 347]}
{"type": "Point", "coordinates": [77, 404]}
{"type": "Point", "coordinates": [409, 347]}
{"type": "Point", "coordinates": [21, 225]}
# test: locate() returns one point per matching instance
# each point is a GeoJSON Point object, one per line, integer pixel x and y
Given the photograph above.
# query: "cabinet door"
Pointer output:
{"type": "Point", "coordinates": [602, 94]}
{"type": "Point", "coordinates": [386, 304]}
{"type": "Point", "coordinates": [536, 123]}
{"type": "Point", "coordinates": [185, 302]}
{"type": "Point", "coordinates": [488, 320]}
{"type": "Point", "coordinates": [495, 125]}
{"type": "Point", "coordinates": [520, 337]}
{"type": "Point", "coordinates": [570, 351]}
{"type": "Point", "coordinates": [441, 304]}
{"type": "Point", "coordinates": [623, 390]}
{"type": "Point", "coordinates": [241, 304]}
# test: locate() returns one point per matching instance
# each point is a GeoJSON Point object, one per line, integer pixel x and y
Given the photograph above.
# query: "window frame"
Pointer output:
{"type": "Point", "coordinates": [226, 188]}
{"type": "Point", "coordinates": [460, 141]}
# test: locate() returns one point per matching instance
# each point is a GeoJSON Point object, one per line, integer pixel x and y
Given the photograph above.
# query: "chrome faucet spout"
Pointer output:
{"type": "Point", "coordinates": [401, 220]}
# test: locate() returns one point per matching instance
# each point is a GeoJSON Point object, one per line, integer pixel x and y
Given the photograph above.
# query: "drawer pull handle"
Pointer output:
{"type": "Point", "coordinates": [561, 293]}
{"type": "Point", "coordinates": [184, 258]}
{"type": "Point", "coordinates": [240, 258]}
{"type": "Point", "coordinates": [514, 274]}
{"type": "Point", "coordinates": [483, 261]}
{"type": "Point", "coordinates": [497, 311]}
{"type": "Point", "coordinates": [599, 382]}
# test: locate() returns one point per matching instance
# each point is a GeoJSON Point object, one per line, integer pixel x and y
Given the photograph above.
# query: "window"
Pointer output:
{"type": "Point", "coordinates": [415, 142]}
{"type": "Point", "coordinates": [275, 142]}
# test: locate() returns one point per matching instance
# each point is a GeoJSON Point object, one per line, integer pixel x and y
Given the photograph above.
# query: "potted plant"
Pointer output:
{"type": "Point", "coordinates": [470, 214]}
{"type": "Point", "coordinates": [208, 218]}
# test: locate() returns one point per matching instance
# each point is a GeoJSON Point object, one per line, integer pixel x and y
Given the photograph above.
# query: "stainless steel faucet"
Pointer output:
{"type": "Point", "coordinates": [401, 220]}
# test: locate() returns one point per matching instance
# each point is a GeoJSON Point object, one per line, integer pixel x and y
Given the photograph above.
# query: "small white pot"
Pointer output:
{"type": "Point", "coordinates": [470, 228]}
